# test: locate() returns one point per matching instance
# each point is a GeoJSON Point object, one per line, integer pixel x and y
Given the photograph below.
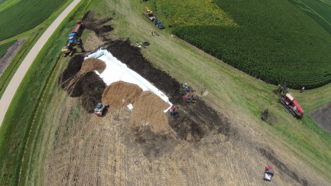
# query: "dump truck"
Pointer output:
{"type": "Point", "coordinates": [73, 40]}
{"type": "Point", "coordinates": [292, 105]}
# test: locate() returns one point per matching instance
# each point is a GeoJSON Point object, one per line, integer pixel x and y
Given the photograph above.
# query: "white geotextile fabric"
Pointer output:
{"type": "Point", "coordinates": [117, 71]}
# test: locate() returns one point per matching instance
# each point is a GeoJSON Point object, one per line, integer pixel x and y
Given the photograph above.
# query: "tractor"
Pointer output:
{"type": "Point", "coordinates": [73, 41]}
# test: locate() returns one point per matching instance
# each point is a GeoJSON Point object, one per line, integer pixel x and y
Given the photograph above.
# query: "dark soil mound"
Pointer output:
{"type": "Point", "coordinates": [97, 26]}
{"type": "Point", "coordinates": [90, 87]}
{"type": "Point", "coordinates": [72, 69]}
{"type": "Point", "coordinates": [194, 120]}
{"type": "Point", "coordinates": [132, 56]}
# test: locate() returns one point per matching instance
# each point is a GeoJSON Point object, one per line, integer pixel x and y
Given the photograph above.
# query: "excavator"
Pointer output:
{"type": "Point", "coordinates": [187, 93]}
{"type": "Point", "coordinates": [149, 14]}
{"type": "Point", "coordinates": [73, 41]}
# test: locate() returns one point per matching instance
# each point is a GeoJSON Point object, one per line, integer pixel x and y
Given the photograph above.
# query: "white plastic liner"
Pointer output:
{"type": "Point", "coordinates": [118, 71]}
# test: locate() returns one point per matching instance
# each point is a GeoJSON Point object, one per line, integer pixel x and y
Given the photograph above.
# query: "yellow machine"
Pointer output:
{"type": "Point", "coordinates": [148, 11]}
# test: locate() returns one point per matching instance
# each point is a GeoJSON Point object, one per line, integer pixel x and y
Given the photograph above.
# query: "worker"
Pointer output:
{"type": "Point", "coordinates": [186, 87]}
{"type": "Point", "coordinates": [302, 89]}
{"type": "Point", "coordinates": [173, 110]}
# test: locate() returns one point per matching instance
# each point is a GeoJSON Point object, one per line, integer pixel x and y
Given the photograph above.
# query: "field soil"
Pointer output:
{"type": "Point", "coordinates": [144, 146]}
{"type": "Point", "coordinates": [10, 54]}
{"type": "Point", "coordinates": [322, 116]}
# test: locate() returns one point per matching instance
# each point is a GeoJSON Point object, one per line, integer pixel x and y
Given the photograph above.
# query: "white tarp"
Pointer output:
{"type": "Point", "coordinates": [118, 71]}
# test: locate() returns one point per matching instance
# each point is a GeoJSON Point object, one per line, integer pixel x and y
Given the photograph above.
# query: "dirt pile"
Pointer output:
{"type": "Point", "coordinates": [194, 121]}
{"type": "Point", "coordinates": [90, 87]}
{"type": "Point", "coordinates": [97, 25]}
{"type": "Point", "coordinates": [120, 94]}
{"type": "Point", "coordinates": [132, 57]}
{"type": "Point", "coordinates": [93, 64]}
{"type": "Point", "coordinates": [87, 66]}
{"type": "Point", "coordinates": [72, 69]}
{"type": "Point", "coordinates": [148, 111]}
{"type": "Point", "coordinates": [78, 80]}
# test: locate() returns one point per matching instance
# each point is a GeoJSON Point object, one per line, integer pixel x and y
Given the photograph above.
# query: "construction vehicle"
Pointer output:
{"type": "Point", "coordinates": [149, 14]}
{"type": "Point", "coordinates": [187, 93]}
{"type": "Point", "coordinates": [173, 110]}
{"type": "Point", "coordinates": [73, 40]}
{"type": "Point", "coordinates": [290, 103]}
{"type": "Point", "coordinates": [268, 173]}
{"type": "Point", "coordinates": [100, 109]}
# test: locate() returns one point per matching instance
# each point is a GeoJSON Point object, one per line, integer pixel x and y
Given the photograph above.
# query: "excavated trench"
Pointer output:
{"type": "Point", "coordinates": [193, 122]}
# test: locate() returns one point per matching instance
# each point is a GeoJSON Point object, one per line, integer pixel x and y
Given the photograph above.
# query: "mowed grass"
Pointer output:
{"type": "Point", "coordinates": [242, 97]}
{"type": "Point", "coordinates": [18, 145]}
{"type": "Point", "coordinates": [273, 40]}
{"type": "Point", "coordinates": [25, 15]}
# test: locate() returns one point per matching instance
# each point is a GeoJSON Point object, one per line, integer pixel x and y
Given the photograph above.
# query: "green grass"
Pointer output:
{"type": "Point", "coordinates": [275, 41]}
{"type": "Point", "coordinates": [317, 10]}
{"type": "Point", "coordinates": [25, 15]}
{"type": "Point", "coordinates": [243, 97]}
{"type": "Point", "coordinates": [4, 48]}
{"type": "Point", "coordinates": [30, 38]}
{"type": "Point", "coordinates": [4, 4]}
{"type": "Point", "coordinates": [18, 126]}
{"type": "Point", "coordinates": [24, 132]}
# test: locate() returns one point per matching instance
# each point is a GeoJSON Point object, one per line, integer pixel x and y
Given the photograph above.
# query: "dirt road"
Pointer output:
{"type": "Point", "coordinates": [30, 57]}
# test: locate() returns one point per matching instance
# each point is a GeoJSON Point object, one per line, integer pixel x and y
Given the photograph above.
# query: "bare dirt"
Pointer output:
{"type": "Point", "coordinates": [199, 147]}
{"type": "Point", "coordinates": [10, 54]}
{"type": "Point", "coordinates": [148, 112]}
{"type": "Point", "coordinates": [92, 42]}
{"type": "Point", "coordinates": [120, 94]}
{"type": "Point", "coordinates": [79, 80]}
{"type": "Point", "coordinates": [98, 26]}
{"type": "Point", "coordinates": [322, 116]}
